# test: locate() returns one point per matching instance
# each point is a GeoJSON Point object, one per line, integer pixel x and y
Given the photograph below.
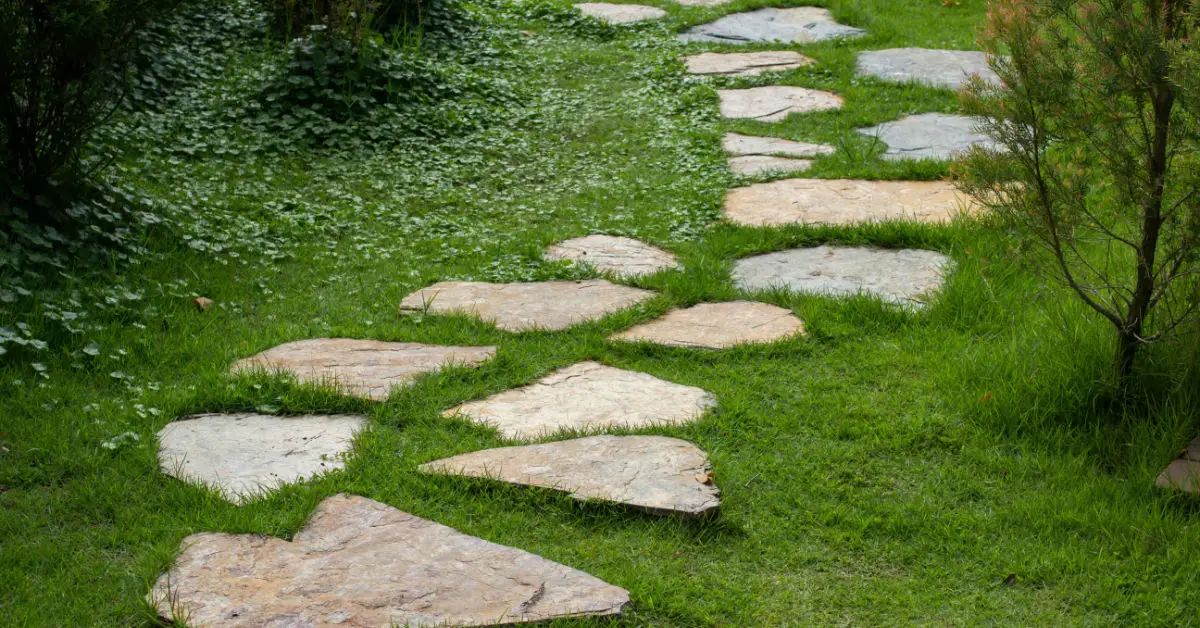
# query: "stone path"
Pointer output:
{"type": "Point", "coordinates": [745, 63]}
{"type": "Point", "coordinates": [364, 368]}
{"type": "Point", "coordinates": [841, 202]}
{"type": "Point", "coordinates": [801, 25]}
{"type": "Point", "coordinates": [718, 326]}
{"type": "Point", "coordinates": [620, 13]}
{"type": "Point", "coordinates": [362, 563]}
{"type": "Point", "coordinates": [611, 254]}
{"type": "Point", "coordinates": [587, 396]}
{"type": "Point", "coordinates": [753, 156]}
{"type": "Point", "coordinates": [660, 474]}
{"type": "Point", "coordinates": [939, 68]}
{"type": "Point", "coordinates": [774, 103]}
{"type": "Point", "coordinates": [930, 136]}
{"type": "Point", "coordinates": [1184, 472]}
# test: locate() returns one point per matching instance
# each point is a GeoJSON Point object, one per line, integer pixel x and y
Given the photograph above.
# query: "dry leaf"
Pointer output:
{"type": "Point", "coordinates": [202, 303]}
{"type": "Point", "coordinates": [704, 478]}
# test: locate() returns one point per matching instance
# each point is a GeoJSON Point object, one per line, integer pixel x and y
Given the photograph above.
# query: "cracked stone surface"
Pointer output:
{"type": "Point", "coordinates": [774, 102]}
{"type": "Point", "coordinates": [745, 63]}
{"type": "Point", "coordinates": [359, 563]}
{"type": "Point", "coordinates": [1184, 472]}
{"type": "Point", "coordinates": [750, 145]}
{"type": "Point", "coordinates": [755, 165]}
{"type": "Point", "coordinates": [246, 455]}
{"type": "Point", "coordinates": [939, 68]}
{"type": "Point", "coordinates": [903, 277]}
{"type": "Point", "coordinates": [547, 305]}
{"type": "Point", "coordinates": [718, 326]}
{"type": "Point", "coordinates": [661, 474]}
{"type": "Point", "coordinates": [612, 254]}
{"type": "Point", "coordinates": [930, 136]}
{"type": "Point", "coordinates": [364, 368]}
{"type": "Point", "coordinates": [800, 25]}
{"type": "Point", "coordinates": [587, 396]}
{"type": "Point", "coordinates": [841, 202]}
{"type": "Point", "coordinates": [702, 3]}
{"type": "Point", "coordinates": [620, 13]}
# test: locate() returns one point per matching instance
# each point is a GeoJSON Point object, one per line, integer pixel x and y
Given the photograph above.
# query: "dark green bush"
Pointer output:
{"type": "Point", "coordinates": [356, 19]}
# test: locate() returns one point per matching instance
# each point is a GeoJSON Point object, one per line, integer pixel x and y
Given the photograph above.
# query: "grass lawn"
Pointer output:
{"type": "Point", "coordinates": [889, 468]}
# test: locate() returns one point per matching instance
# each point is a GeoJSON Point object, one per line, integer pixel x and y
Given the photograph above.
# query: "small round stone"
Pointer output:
{"type": "Point", "coordinates": [613, 254]}
{"type": "Point", "coordinates": [774, 103]}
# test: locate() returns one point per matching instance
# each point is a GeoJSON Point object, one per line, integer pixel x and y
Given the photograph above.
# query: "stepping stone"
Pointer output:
{"type": "Point", "coordinates": [939, 68]}
{"type": "Point", "coordinates": [246, 455]}
{"type": "Point", "coordinates": [802, 25]}
{"type": "Point", "coordinates": [363, 368]}
{"type": "Point", "coordinates": [737, 144]}
{"type": "Point", "coordinates": [362, 563]}
{"type": "Point", "coordinates": [1184, 472]}
{"type": "Point", "coordinates": [841, 202]}
{"type": "Point", "coordinates": [547, 305]}
{"type": "Point", "coordinates": [755, 165]}
{"type": "Point", "coordinates": [745, 63]}
{"type": "Point", "coordinates": [930, 136]}
{"type": "Point", "coordinates": [902, 277]}
{"type": "Point", "coordinates": [774, 103]}
{"type": "Point", "coordinates": [620, 13]}
{"type": "Point", "coordinates": [660, 474]}
{"type": "Point", "coordinates": [612, 254]}
{"type": "Point", "coordinates": [587, 396]}
{"type": "Point", "coordinates": [718, 326]}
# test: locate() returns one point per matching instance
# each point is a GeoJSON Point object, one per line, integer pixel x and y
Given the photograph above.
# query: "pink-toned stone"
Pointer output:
{"type": "Point", "coordinates": [842, 202]}
{"type": "Point", "coordinates": [775, 102]}
{"type": "Point", "coordinates": [755, 165]}
{"type": "Point", "coordinates": [745, 63]}
{"type": "Point", "coordinates": [718, 326]}
{"type": "Point", "coordinates": [1184, 472]}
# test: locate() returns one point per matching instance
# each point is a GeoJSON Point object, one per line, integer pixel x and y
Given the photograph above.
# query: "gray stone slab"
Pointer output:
{"type": "Point", "coordinates": [775, 102]}
{"type": "Point", "coordinates": [1183, 473]}
{"type": "Point", "coordinates": [751, 145]}
{"type": "Point", "coordinates": [718, 326]}
{"type": "Point", "coordinates": [930, 136]}
{"type": "Point", "coordinates": [612, 254]}
{"type": "Point", "coordinates": [745, 63]}
{"type": "Point", "coordinates": [757, 165]}
{"type": "Point", "coordinates": [939, 68]}
{"type": "Point", "coordinates": [702, 3]}
{"type": "Point", "coordinates": [842, 202]}
{"type": "Point", "coordinates": [362, 563]}
{"type": "Point", "coordinates": [620, 13]}
{"type": "Point", "coordinates": [802, 25]}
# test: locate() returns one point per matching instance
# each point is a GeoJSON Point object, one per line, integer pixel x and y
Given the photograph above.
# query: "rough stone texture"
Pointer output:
{"type": "Point", "coordinates": [748, 145]}
{"type": "Point", "coordinates": [587, 396]}
{"type": "Point", "coordinates": [930, 136]}
{"type": "Point", "coordinates": [774, 102]}
{"type": "Point", "coordinates": [801, 25]}
{"type": "Point", "coordinates": [359, 563]}
{"type": "Point", "coordinates": [904, 277]}
{"type": "Point", "coordinates": [841, 202]}
{"type": "Point", "coordinates": [755, 165]}
{"type": "Point", "coordinates": [746, 63]}
{"type": "Point", "coordinates": [939, 68]}
{"type": "Point", "coordinates": [548, 305]}
{"type": "Point", "coordinates": [702, 3]}
{"type": "Point", "coordinates": [612, 254]}
{"type": "Point", "coordinates": [661, 474]}
{"type": "Point", "coordinates": [365, 368]}
{"type": "Point", "coordinates": [620, 13]}
{"type": "Point", "coordinates": [1184, 472]}
{"type": "Point", "coordinates": [718, 325]}
{"type": "Point", "coordinates": [245, 455]}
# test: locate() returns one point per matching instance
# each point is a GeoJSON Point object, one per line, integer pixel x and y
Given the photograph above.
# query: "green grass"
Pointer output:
{"type": "Point", "coordinates": [889, 468]}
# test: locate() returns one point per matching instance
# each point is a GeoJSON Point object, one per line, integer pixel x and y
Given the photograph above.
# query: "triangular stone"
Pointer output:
{"type": "Point", "coordinates": [547, 305]}
{"type": "Point", "coordinates": [620, 13]}
{"type": "Point", "coordinates": [587, 396]}
{"type": "Point", "coordinates": [930, 136]}
{"type": "Point", "coordinates": [718, 326]}
{"type": "Point", "coordinates": [246, 455]}
{"type": "Point", "coordinates": [795, 25]}
{"type": "Point", "coordinates": [842, 202]}
{"type": "Point", "coordinates": [613, 254]}
{"type": "Point", "coordinates": [364, 368]}
{"type": "Point", "coordinates": [661, 474]}
{"type": "Point", "coordinates": [362, 563]}
{"type": "Point", "coordinates": [745, 63]}
{"type": "Point", "coordinates": [938, 68]}
{"type": "Point", "coordinates": [756, 165]}
{"type": "Point", "coordinates": [774, 102]}
{"type": "Point", "coordinates": [737, 144]}
{"type": "Point", "coordinates": [1184, 472]}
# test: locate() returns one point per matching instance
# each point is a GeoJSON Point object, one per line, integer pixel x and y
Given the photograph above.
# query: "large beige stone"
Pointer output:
{"type": "Point", "coordinates": [718, 325]}
{"type": "Point", "coordinates": [620, 13]}
{"type": "Point", "coordinates": [661, 474]}
{"type": "Point", "coordinates": [842, 202]}
{"type": "Point", "coordinates": [587, 396]}
{"type": "Point", "coordinates": [745, 63]}
{"type": "Point", "coordinates": [548, 305]}
{"type": "Point", "coordinates": [359, 563]}
{"type": "Point", "coordinates": [775, 102]}
{"type": "Point", "coordinates": [1184, 472]}
{"type": "Point", "coordinates": [364, 368]}
{"type": "Point", "coordinates": [756, 165]}
{"type": "Point", "coordinates": [613, 254]}
{"type": "Point", "coordinates": [246, 455]}
{"type": "Point", "coordinates": [749, 145]}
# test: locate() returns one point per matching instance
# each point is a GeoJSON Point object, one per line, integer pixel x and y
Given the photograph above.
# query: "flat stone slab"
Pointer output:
{"type": "Point", "coordinates": [364, 368]}
{"type": "Point", "coordinates": [613, 254]}
{"type": "Point", "coordinates": [775, 102]}
{"type": "Point", "coordinates": [1183, 473]}
{"type": "Point", "coordinates": [620, 13]}
{"type": "Point", "coordinates": [802, 25]}
{"type": "Point", "coordinates": [702, 3]}
{"type": "Point", "coordinates": [903, 277]}
{"type": "Point", "coordinates": [939, 68]}
{"type": "Point", "coordinates": [246, 455]}
{"type": "Point", "coordinates": [362, 563]}
{"type": "Point", "coordinates": [660, 474]}
{"type": "Point", "coordinates": [587, 396]}
{"type": "Point", "coordinates": [547, 305]}
{"type": "Point", "coordinates": [718, 326]}
{"type": "Point", "coordinates": [841, 202]}
{"type": "Point", "coordinates": [751, 145]}
{"type": "Point", "coordinates": [755, 165]}
{"type": "Point", "coordinates": [930, 136]}
{"type": "Point", "coordinates": [745, 63]}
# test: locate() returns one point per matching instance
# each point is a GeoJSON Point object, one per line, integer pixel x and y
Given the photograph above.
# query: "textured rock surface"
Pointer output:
{"type": "Point", "coordinates": [745, 63]}
{"type": "Point", "coordinates": [748, 145]}
{"type": "Point", "coordinates": [718, 325]}
{"type": "Point", "coordinates": [702, 3]}
{"type": "Point", "coordinates": [841, 202]}
{"type": "Point", "coordinates": [245, 455]}
{"type": "Point", "coordinates": [363, 564]}
{"type": "Point", "coordinates": [796, 25]}
{"type": "Point", "coordinates": [653, 472]}
{"type": "Point", "coordinates": [939, 68]}
{"type": "Point", "coordinates": [906, 276]}
{"type": "Point", "coordinates": [1184, 472]}
{"type": "Point", "coordinates": [930, 136]}
{"type": "Point", "coordinates": [774, 102]}
{"type": "Point", "coordinates": [366, 368]}
{"type": "Point", "coordinates": [612, 254]}
{"type": "Point", "coordinates": [587, 396]}
{"type": "Point", "coordinates": [549, 305]}
{"type": "Point", "coordinates": [754, 165]}
{"type": "Point", "coordinates": [620, 13]}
